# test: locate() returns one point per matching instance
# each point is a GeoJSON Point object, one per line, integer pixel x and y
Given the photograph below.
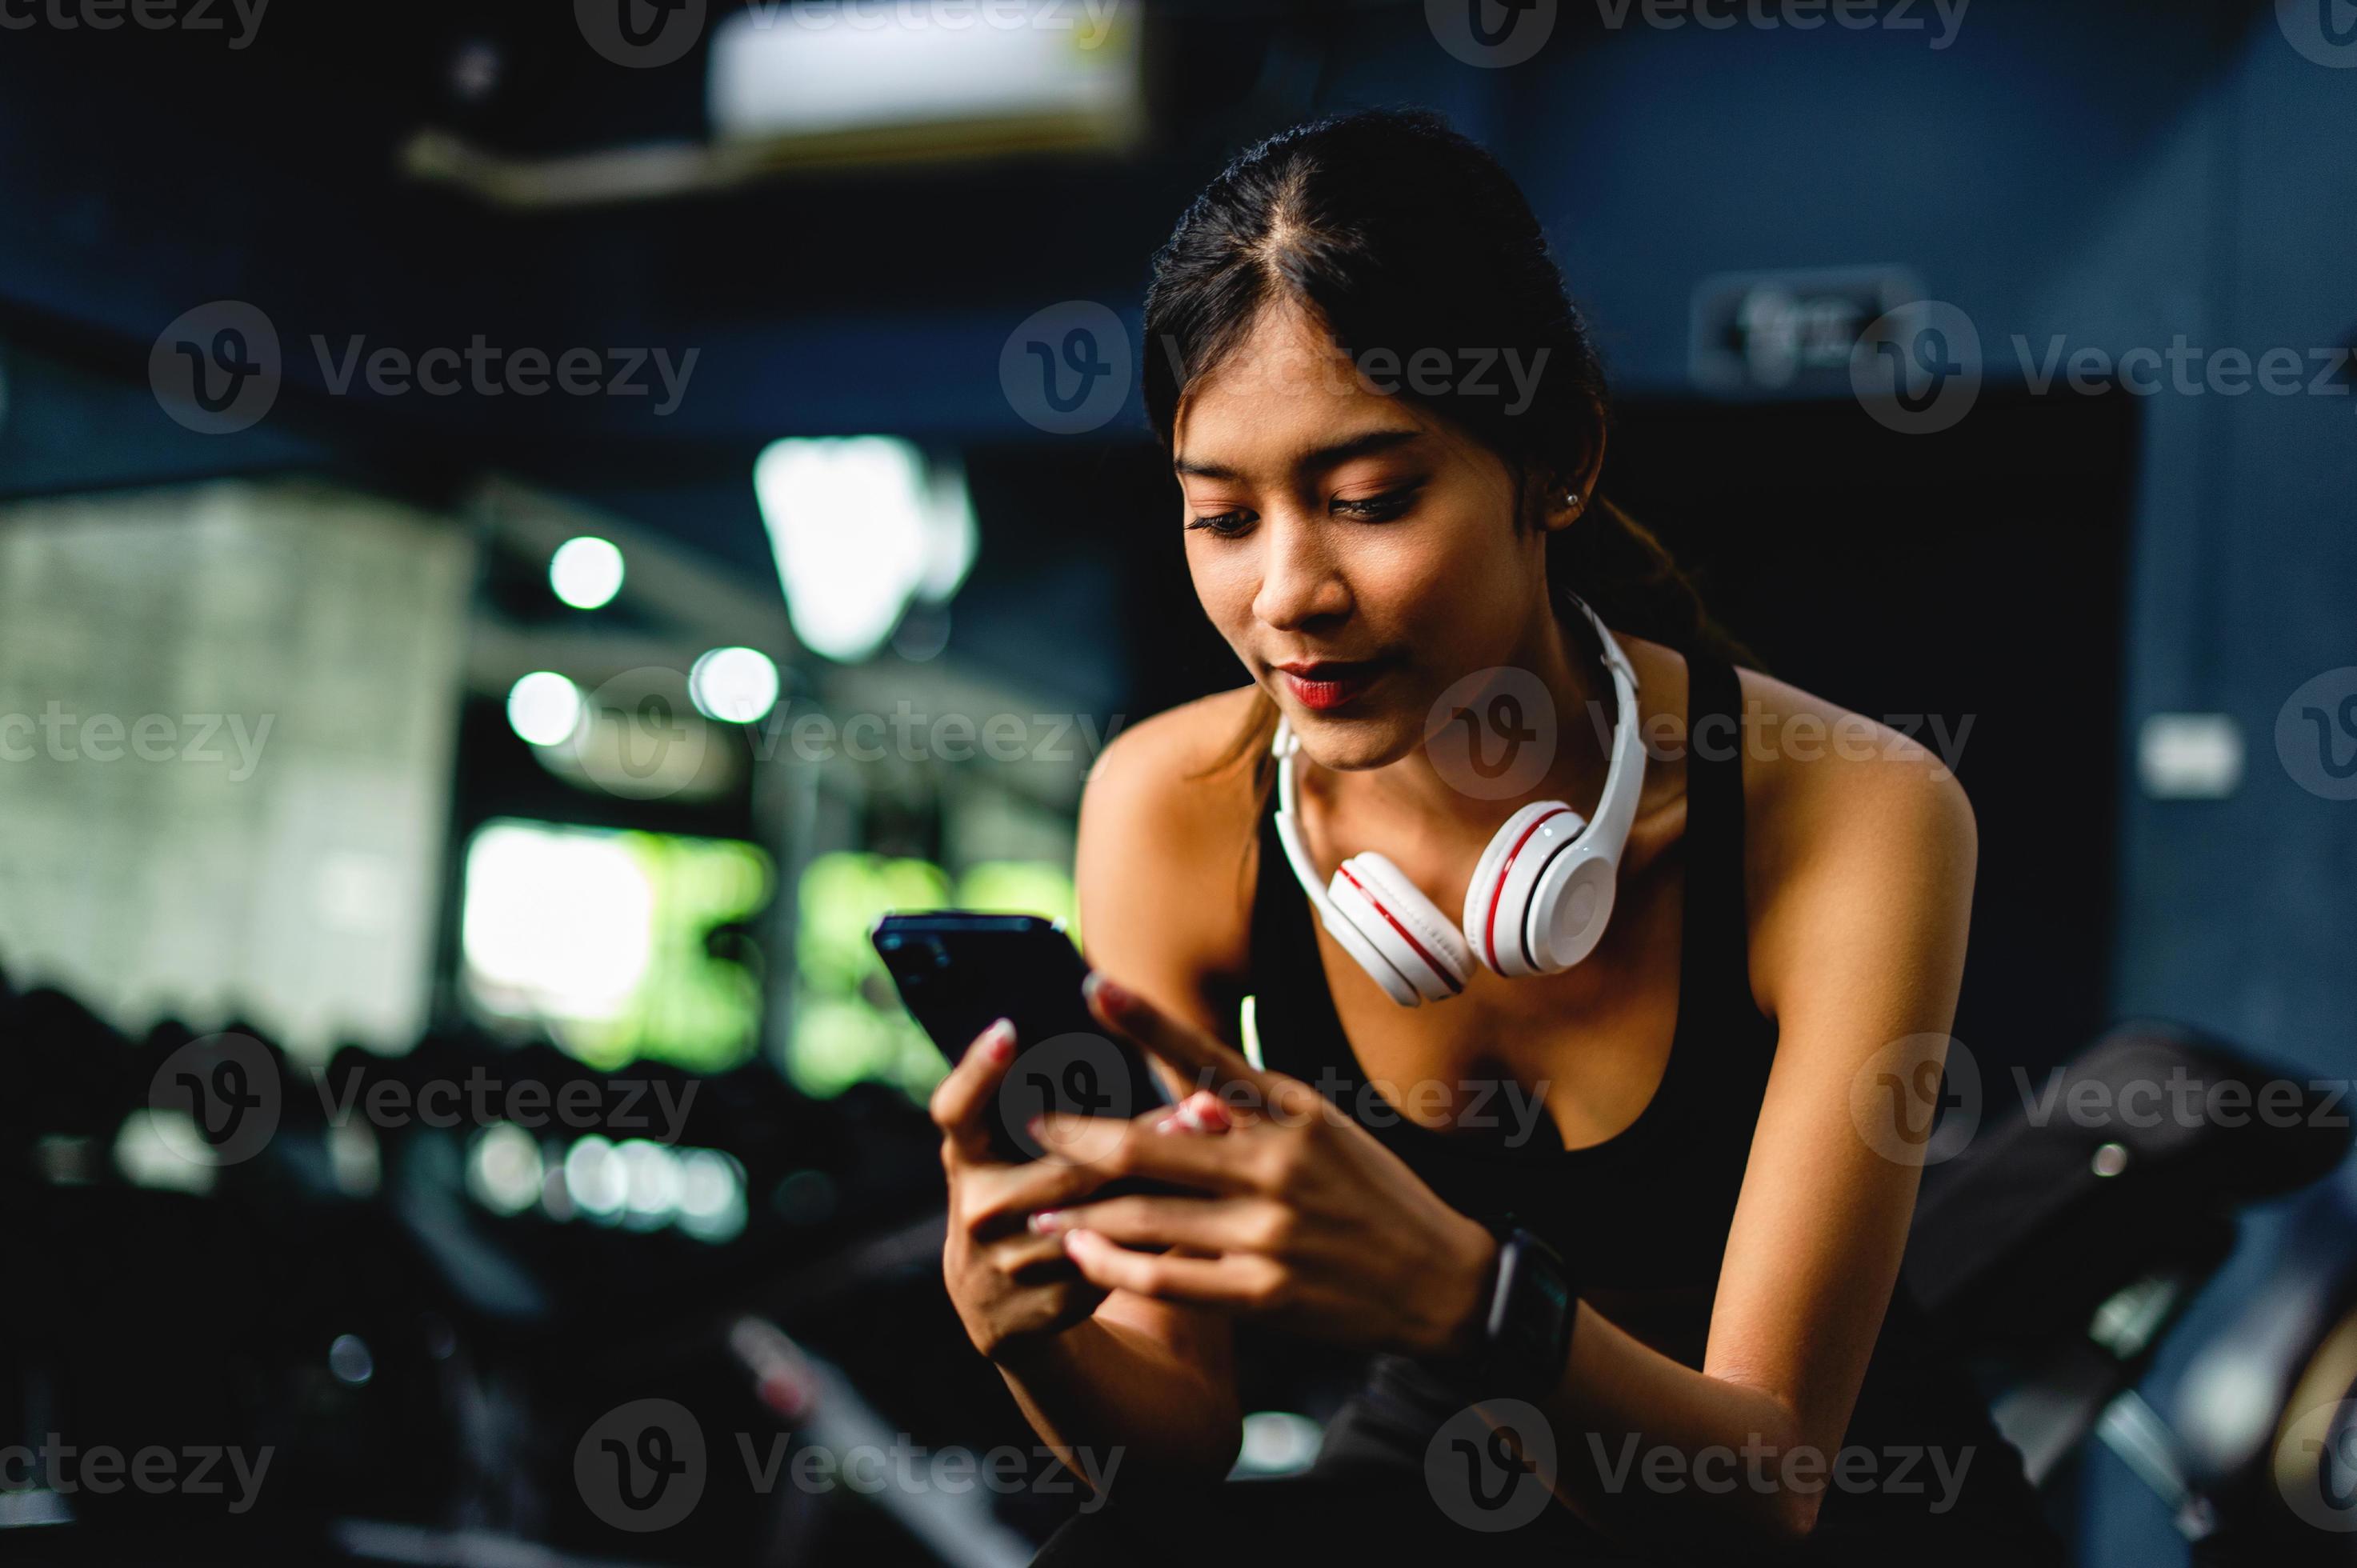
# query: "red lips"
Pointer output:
{"type": "Point", "coordinates": [1321, 685]}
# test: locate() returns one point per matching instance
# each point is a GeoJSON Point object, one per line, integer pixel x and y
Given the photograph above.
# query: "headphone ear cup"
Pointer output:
{"type": "Point", "coordinates": [1570, 908]}
{"type": "Point", "coordinates": [1494, 925]}
{"type": "Point", "coordinates": [1341, 924]}
{"type": "Point", "coordinates": [1432, 951]}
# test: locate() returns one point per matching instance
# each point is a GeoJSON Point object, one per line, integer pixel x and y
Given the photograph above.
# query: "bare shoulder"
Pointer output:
{"type": "Point", "coordinates": [1844, 819]}
{"type": "Point", "coordinates": [1168, 834]}
{"type": "Point", "coordinates": [1812, 766]}
{"type": "Point", "coordinates": [1163, 754]}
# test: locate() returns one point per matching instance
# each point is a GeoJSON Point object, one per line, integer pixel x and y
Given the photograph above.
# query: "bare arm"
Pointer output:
{"type": "Point", "coordinates": [1864, 888]}
{"type": "Point", "coordinates": [1156, 874]}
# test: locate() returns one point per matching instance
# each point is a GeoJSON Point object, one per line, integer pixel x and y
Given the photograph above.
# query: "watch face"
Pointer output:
{"type": "Point", "coordinates": [1531, 1331]}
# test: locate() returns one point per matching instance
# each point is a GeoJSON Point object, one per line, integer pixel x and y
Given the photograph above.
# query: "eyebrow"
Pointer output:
{"type": "Point", "coordinates": [1333, 455]}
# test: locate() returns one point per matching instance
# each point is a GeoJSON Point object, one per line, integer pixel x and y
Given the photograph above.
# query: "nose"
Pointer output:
{"type": "Point", "coordinates": [1301, 584]}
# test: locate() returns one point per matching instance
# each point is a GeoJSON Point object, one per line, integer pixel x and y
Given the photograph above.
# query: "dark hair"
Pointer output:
{"type": "Point", "coordinates": [1399, 234]}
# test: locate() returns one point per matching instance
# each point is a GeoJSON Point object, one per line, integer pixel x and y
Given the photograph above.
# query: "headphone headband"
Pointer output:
{"type": "Point", "coordinates": [1616, 808]}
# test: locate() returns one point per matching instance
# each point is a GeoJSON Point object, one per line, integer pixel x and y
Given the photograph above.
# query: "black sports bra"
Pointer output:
{"type": "Point", "coordinates": [1648, 1210]}
{"type": "Point", "coordinates": [1649, 1207]}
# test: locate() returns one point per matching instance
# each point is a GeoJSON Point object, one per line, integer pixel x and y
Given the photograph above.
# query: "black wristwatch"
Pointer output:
{"type": "Point", "coordinates": [1526, 1332]}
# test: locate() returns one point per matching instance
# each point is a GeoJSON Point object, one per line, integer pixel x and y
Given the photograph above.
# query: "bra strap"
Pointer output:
{"type": "Point", "coordinates": [1716, 924]}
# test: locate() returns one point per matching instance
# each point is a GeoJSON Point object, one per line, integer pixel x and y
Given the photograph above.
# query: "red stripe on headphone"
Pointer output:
{"type": "Point", "coordinates": [1455, 985]}
{"type": "Point", "coordinates": [1498, 889]}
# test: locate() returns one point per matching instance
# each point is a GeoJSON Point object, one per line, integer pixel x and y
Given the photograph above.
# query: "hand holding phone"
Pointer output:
{"type": "Point", "coordinates": [958, 971]}
{"type": "Point", "coordinates": [1011, 1286]}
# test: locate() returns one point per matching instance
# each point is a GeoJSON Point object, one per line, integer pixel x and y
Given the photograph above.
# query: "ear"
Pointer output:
{"type": "Point", "coordinates": [1565, 496]}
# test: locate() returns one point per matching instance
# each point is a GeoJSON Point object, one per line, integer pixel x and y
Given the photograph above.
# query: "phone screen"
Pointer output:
{"type": "Point", "coordinates": [958, 971]}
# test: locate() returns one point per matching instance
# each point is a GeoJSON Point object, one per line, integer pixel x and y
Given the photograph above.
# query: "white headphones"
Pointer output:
{"type": "Point", "coordinates": [1540, 896]}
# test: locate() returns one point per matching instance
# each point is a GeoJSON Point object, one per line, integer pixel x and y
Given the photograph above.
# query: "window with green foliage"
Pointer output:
{"type": "Point", "coordinates": [606, 939]}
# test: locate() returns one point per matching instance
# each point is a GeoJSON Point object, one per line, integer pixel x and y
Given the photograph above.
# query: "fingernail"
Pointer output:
{"type": "Point", "coordinates": [1079, 1240]}
{"type": "Point", "coordinates": [1032, 1127]}
{"type": "Point", "coordinates": [1189, 1118]}
{"type": "Point", "coordinates": [1168, 1124]}
{"type": "Point", "coordinates": [1046, 1222]}
{"type": "Point", "coordinates": [1100, 989]}
{"type": "Point", "coordinates": [1002, 1041]}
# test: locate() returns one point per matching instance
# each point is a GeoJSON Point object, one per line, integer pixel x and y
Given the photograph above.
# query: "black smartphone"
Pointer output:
{"type": "Point", "coordinates": [958, 971]}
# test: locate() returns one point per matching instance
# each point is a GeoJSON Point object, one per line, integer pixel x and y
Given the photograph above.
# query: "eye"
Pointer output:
{"type": "Point", "coordinates": [1382, 508]}
{"type": "Point", "coordinates": [1226, 524]}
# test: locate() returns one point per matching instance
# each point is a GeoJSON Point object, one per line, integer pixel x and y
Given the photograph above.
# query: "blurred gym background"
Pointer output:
{"type": "Point", "coordinates": [524, 528]}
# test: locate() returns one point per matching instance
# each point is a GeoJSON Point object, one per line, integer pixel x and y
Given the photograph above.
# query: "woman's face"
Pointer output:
{"type": "Point", "coordinates": [1358, 552]}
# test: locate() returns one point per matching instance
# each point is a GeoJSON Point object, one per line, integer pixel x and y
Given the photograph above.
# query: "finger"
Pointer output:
{"type": "Point", "coordinates": [1000, 1197]}
{"type": "Point", "coordinates": [961, 1100]}
{"type": "Point", "coordinates": [1240, 1282]}
{"type": "Point", "coordinates": [1213, 1224]}
{"type": "Point", "coordinates": [1204, 1061]}
{"type": "Point", "coordinates": [1201, 1112]}
{"type": "Point", "coordinates": [1032, 1260]}
{"type": "Point", "coordinates": [1114, 1148]}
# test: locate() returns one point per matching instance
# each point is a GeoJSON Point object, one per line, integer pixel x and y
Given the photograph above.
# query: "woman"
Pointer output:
{"type": "Point", "coordinates": [1388, 425]}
